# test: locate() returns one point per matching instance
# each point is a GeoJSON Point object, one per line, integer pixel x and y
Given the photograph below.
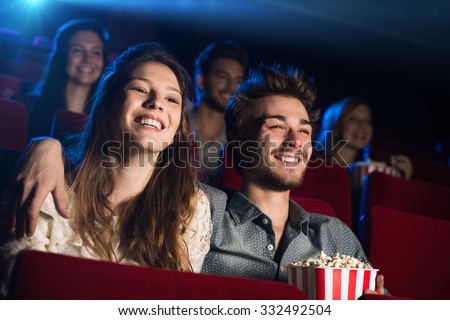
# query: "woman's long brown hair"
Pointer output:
{"type": "Point", "coordinates": [151, 224]}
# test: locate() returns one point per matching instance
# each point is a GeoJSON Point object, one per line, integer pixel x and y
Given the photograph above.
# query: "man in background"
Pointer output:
{"type": "Point", "coordinates": [219, 69]}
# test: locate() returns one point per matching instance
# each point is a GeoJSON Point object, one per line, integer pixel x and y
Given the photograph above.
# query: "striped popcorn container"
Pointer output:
{"type": "Point", "coordinates": [359, 170]}
{"type": "Point", "coordinates": [321, 283]}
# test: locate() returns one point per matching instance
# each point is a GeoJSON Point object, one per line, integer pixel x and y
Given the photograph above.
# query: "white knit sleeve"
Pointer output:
{"type": "Point", "coordinates": [198, 236]}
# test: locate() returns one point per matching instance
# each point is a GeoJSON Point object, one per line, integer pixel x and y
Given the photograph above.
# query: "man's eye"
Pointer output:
{"type": "Point", "coordinates": [305, 131]}
{"type": "Point", "coordinates": [277, 126]}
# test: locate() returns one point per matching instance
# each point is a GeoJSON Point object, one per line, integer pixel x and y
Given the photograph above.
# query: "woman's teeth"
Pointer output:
{"type": "Point", "coordinates": [151, 123]}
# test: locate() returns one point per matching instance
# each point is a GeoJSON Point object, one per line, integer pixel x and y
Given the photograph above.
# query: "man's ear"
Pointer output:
{"type": "Point", "coordinates": [201, 82]}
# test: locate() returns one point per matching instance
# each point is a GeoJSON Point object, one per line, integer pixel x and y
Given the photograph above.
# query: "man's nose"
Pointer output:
{"type": "Point", "coordinates": [293, 139]}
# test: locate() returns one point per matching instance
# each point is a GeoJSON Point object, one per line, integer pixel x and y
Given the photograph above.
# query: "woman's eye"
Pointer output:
{"type": "Point", "coordinates": [75, 50]}
{"type": "Point", "coordinates": [139, 89]}
{"type": "Point", "coordinates": [221, 77]}
{"type": "Point", "coordinates": [173, 100]}
{"type": "Point", "coordinates": [358, 121]}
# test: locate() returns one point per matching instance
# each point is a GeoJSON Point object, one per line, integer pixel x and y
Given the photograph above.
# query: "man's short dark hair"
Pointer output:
{"type": "Point", "coordinates": [227, 49]}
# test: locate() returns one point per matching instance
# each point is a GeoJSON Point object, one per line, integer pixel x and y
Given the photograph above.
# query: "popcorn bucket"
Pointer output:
{"type": "Point", "coordinates": [359, 170]}
{"type": "Point", "coordinates": [322, 283]}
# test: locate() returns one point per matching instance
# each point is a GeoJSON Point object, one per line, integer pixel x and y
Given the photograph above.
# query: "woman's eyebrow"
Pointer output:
{"type": "Point", "coordinates": [148, 81]}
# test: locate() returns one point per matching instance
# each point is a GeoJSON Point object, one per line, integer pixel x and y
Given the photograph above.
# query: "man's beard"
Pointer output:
{"type": "Point", "coordinates": [214, 104]}
{"type": "Point", "coordinates": [272, 180]}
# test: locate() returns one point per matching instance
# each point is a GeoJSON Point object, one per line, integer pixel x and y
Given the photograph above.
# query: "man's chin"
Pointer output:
{"type": "Point", "coordinates": [216, 105]}
{"type": "Point", "coordinates": [281, 183]}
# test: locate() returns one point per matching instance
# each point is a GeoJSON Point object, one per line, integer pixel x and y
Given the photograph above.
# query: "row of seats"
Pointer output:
{"type": "Point", "coordinates": [428, 165]}
{"type": "Point", "coordinates": [404, 224]}
{"type": "Point", "coordinates": [22, 64]}
{"type": "Point", "coordinates": [39, 275]}
{"type": "Point", "coordinates": [382, 148]}
{"type": "Point", "coordinates": [419, 197]}
{"type": "Point", "coordinates": [24, 70]}
{"type": "Point", "coordinates": [410, 250]}
{"type": "Point", "coordinates": [18, 51]}
{"type": "Point", "coordinates": [10, 86]}
{"type": "Point", "coordinates": [42, 276]}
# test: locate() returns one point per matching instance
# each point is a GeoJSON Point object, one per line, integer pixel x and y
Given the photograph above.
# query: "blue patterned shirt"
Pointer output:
{"type": "Point", "coordinates": [243, 241]}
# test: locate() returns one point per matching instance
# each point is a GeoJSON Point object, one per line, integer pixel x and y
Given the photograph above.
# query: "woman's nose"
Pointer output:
{"type": "Point", "coordinates": [153, 103]}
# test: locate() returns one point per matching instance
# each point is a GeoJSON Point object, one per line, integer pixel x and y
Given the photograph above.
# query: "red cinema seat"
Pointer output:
{"type": "Point", "coordinates": [8, 160]}
{"type": "Point", "coordinates": [9, 86]}
{"type": "Point", "coordinates": [13, 125]}
{"type": "Point", "coordinates": [431, 171]}
{"type": "Point", "coordinates": [66, 123]}
{"type": "Point", "coordinates": [231, 178]}
{"type": "Point", "coordinates": [411, 251]}
{"type": "Point", "coordinates": [419, 197]}
{"type": "Point", "coordinates": [315, 206]}
{"type": "Point", "coordinates": [330, 184]}
{"type": "Point", "coordinates": [24, 70]}
{"type": "Point", "coordinates": [390, 146]}
{"type": "Point", "coordinates": [43, 276]}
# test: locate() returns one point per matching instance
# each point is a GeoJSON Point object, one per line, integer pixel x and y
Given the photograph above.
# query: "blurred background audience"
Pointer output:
{"type": "Point", "coordinates": [345, 135]}
{"type": "Point", "coordinates": [219, 69]}
{"type": "Point", "coordinates": [75, 65]}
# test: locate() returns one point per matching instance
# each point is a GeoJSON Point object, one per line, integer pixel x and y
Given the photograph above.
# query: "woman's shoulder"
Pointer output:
{"type": "Point", "coordinates": [202, 198]}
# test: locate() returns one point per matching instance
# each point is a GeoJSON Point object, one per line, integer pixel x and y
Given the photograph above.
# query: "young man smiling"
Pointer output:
{"type": "Point", "coordinates": [258, 230]}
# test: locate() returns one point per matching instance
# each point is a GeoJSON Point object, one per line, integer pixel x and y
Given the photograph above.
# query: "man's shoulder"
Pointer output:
{"type": "Point", "coordinates": [325, 222]}
{"type": "Point", "coordinates": [215, 196]}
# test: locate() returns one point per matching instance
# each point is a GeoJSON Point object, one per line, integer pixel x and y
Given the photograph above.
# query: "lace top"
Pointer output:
{"type": "Point", "coordinates": [55, 234]}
